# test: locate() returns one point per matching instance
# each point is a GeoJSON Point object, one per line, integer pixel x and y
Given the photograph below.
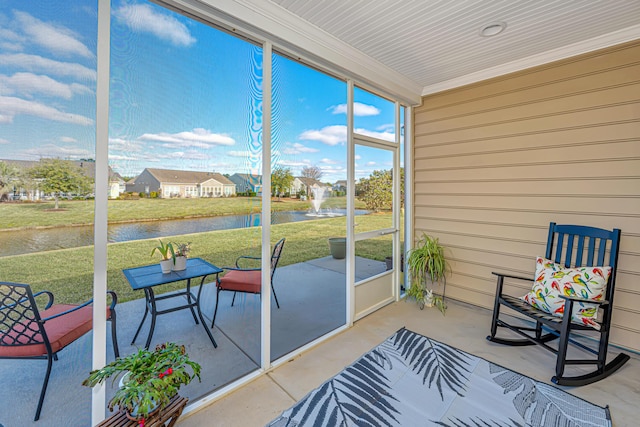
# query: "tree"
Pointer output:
{"type": "Point", "coordinates": [377, 191]}
{"type": "Point", "coordinates": [311, 172]}
{"type": "Point", "coordinates": [281, 180]}
{"type": "Point", "coordinates": [8, 174]}
{"type": "Point", "coordinates": [58, 176]}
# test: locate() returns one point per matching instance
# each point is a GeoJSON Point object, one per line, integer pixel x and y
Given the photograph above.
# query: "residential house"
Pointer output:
{"type": "Point", "coordinates": [340, 186]}
{"type": "Point", "coordinates": [176, 183]}
{"type": "Point", "coordinates": [310, 186]}
{"type": "Point", "coordinates": [247, 182]}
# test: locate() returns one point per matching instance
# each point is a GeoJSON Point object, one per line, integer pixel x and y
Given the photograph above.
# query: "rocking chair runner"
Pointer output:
{"type": "Point", "coordinates": [28, 333]}
{"type": "Point", "coordinates": [594, 243]}
{"type": "Point", "coordinates": [247, 280]}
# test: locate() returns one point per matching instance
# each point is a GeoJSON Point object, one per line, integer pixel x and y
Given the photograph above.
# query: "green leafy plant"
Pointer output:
{"type": "Point", "coordinates": [427, 262]}
{"type": "Point", "coordinates": [166, 251]}
{"type": "Point", "coordinates": [182, 249]}
{"type": "Point", "coordinates": [151, 378]}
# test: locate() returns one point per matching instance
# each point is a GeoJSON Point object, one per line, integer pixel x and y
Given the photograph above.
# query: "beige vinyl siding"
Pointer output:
{"type": "Point", "coordinates": [496, 161]}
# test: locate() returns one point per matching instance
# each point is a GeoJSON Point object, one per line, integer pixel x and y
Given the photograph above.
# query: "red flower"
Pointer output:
{"type": "Point", "coordinates": [165, 373]}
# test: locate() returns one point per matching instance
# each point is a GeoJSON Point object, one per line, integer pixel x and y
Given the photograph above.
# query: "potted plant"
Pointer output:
{"type": "Point", "coordinates": [181, 254]}
{"type": "Point", "coordinates": [167, 252]}
{"type": "Point", "coordinates": [149, 379]}
{"type": "Point", "coordinates": [427, 262]}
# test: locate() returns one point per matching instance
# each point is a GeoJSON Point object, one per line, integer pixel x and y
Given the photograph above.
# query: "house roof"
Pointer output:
{"type": "Point", "coordinates": [187, 177]}
{"type": "Point", "coordinates": [310, 181]}
{"type": "Point", "coordinates": [248, 177]}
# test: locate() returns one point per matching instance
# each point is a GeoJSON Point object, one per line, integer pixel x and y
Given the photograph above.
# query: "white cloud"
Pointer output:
{"type": "Point", "coordinates": [237, 153]}
{"type": "Point", "coordinates": [4, 141]}
{"type": "Point", "coordinates": [52, 150]}
{"type": "Point", "coordinates": [330, 135]}
{"type": "Point", "coordinates": [183, 155]}
{"type": "Point", "coordinates": [292, 164]}
{"type": "Point", "coordinates": [297, 148]}
{"type": "Point", "coordinates": [12, 106]}
{"type": "Point", "coordinates": [328, 161]}
{"type": "Point", "coordinates": [386, 136]}
{"type": "Point", "coordinates": [359, 109]}
{"type": "Point", "coordinates": [358, 156]}
{"type": "Point", "coordinates": [115, 157]}
{"type": "Point", "coordinates": [10, 40]}
{"type": "Point", "coordinates": [126, 145]}
{"type": "Point", "coordinates": [197, 138]}
{"type": "Point", "coordinates": [56, 38]}
{"type": "Point", "coordinates": [37, 63]}
{"type": "Point", "coordinates": [371, 163]}
{"type": "Point", "coordinates": [68, 139]}
{"type": "Point", "coordinates": [30, 84]}
{"type": "Point", "coordinates": [143, 18]}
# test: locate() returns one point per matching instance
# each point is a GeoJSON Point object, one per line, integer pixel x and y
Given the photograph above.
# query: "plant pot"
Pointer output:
{"type": "Point", "coordinates": [388, 262]}
{"type": "Point", "coordinates": [166, 265]}
{"type": "Point", "coordinates": [133, 415]}
{"type": "Point", "coordinates": [180, 263]}
{"type": "Point", "coordinates": [338, 247]}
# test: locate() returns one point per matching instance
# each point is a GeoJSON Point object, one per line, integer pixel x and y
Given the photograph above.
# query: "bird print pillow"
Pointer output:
{"type": "Point", "coordinates": [553, 280]}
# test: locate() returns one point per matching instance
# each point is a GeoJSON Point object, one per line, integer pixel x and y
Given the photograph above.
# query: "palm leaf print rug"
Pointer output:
{"type": "Point", "coordinates": [412, 380]}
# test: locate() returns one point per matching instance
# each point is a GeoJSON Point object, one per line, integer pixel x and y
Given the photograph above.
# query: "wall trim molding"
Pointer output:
{"type": "Point", "coordinates": [600, 42]}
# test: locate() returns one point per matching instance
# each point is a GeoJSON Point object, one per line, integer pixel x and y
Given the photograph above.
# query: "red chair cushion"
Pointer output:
{"type": "Point", "coordinates": [242, 281]}
{"type": "Point", "coordinates": [61, 331]}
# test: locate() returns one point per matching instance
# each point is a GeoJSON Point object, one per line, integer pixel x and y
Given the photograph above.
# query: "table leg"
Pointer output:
{"type": "Point", "coordinates": [152, 301]}
{"type": "Point", "coordinates": [204, 325]}
{"type": "Point", "coordinates": [193, 313]}
{"type": "Point", "coordinates": [146, 310]}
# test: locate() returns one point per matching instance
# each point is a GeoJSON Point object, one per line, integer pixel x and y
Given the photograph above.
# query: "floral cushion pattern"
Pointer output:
{"type": "Point", "coordinates": [553, 280]}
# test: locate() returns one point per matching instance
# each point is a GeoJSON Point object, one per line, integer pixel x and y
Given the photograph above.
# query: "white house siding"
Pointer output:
{"type": "Point", "coordinates": [496, 161]}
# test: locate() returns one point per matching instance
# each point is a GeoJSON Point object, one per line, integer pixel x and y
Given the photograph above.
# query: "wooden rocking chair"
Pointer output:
{"type": "Point", "coordinates": [571, 246]}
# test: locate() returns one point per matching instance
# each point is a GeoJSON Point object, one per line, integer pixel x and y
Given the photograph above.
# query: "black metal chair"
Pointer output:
{"type": "Point", "coordinates": [571, 246]}
{"type": "Point", "coordinates": [28, 333]}
{"type": "Point", "coordinates": [247, 280]}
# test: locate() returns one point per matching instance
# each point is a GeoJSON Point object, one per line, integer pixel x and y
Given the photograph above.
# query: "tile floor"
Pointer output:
{"type": "Point", "coordinates": [464, 327]}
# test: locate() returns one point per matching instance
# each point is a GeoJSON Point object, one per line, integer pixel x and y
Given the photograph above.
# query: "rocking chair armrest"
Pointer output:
{"type": "Point", "coordinates": [71, 310]}
{"type": "Point", "coordinates": [511, 276]}
{"type": "Point", "coordinates": [590, 301]}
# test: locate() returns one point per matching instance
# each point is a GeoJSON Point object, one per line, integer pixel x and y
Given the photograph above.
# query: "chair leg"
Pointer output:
{"type": "Point", "coordinates": [274, 295]}
{"type": "Point", "coordinates": [215, 311]}
{"type": "Point", "coordinates": [496, 309]}
{"type": "Point", "coordinates": [564, 339]}
{"type": "Point", "coordinates": [114, 335]}
{"type": "Point", "coordinates": [44, 386]}
{"type": "Point", "coordinates": [234, 299]}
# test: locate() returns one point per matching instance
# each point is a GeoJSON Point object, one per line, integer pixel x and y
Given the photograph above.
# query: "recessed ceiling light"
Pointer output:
{"type": "Point", "coordinates": [493, 29]}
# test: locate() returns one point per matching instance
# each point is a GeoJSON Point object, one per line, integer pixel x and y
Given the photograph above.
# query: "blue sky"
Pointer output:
{"type": "Point", "coordinates": [183, 95]}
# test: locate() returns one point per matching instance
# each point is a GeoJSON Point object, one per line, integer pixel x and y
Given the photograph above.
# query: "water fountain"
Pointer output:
{"type": "Point", "coordinates": [318, 198]}
{"type": "Point", "coordinates": [316, 203]}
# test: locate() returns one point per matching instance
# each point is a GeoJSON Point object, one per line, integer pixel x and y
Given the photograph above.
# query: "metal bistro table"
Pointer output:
{"type": "Point", "coordinates": [149, 276]}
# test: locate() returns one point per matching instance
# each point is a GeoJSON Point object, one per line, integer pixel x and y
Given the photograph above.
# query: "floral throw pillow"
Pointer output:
{"type": "Point", "coordinates": [554, 279]}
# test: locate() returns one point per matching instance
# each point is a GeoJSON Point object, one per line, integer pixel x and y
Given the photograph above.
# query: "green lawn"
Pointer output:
{"type": "Point", "coordinates": [80, 212]}
{"type": "Point", "coordinates": [68, 273]}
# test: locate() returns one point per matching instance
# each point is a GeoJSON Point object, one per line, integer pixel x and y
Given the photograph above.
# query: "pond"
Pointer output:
{"type": "Point", "coordinates": [28, 241]}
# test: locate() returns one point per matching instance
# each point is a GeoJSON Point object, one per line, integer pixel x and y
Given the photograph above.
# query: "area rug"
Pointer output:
{"type": "Point", "coordinates": [412, 380]}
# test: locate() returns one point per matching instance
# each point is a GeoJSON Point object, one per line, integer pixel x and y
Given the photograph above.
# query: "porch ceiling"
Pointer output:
{"type": "Point", "coordinates": [435, 44]}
